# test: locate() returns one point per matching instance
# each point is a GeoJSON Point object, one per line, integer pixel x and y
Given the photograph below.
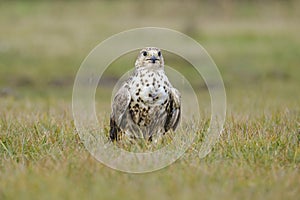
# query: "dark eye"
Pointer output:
{"type": "Point", "coordinates": [145, 53]}
{"type": "Point", "coordinates": [159, 53]}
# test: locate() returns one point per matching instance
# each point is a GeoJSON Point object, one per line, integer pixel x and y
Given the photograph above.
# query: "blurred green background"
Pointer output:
{"type": "Point", "coordinates": [255, 44]}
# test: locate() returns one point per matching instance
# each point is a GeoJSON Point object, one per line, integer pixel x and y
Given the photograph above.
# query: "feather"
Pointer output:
{"type": "Point", "coordinates": [119, 109]}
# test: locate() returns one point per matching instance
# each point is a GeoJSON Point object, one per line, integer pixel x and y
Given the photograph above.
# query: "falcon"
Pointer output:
{"type": "Point", "coordinates": [146, 105]}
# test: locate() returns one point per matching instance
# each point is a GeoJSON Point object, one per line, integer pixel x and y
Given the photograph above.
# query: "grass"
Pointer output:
{"type": "Point", "coordinates": [256, 47]}
{"type": "Point", "coordinates": [42, 157]}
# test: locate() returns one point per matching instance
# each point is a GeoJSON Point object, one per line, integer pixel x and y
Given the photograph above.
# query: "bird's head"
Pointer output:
{"type": "Point", "coordinates": [150, 57]}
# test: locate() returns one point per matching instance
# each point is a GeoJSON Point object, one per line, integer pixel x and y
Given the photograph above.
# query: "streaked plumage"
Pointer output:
{"type": "Point", "coordinates": [147, 105]}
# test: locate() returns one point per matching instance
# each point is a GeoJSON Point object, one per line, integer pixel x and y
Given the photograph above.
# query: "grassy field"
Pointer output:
{"type": "Point", "coordinates": [256, 47]}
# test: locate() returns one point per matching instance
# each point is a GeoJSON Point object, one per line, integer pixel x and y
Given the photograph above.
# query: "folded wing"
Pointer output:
{"type": "Point", "coordinates": [118, 116]}
{"type": "Point", "coordinates": [173, 110]}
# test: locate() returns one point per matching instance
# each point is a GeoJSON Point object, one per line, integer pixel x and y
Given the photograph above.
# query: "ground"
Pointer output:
{"type": "Point", "coordinates": [256, 47]}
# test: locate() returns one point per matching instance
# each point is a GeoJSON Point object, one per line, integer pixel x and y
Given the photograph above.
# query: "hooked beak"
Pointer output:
{"type": "Point", "coordinates": [153, 59]}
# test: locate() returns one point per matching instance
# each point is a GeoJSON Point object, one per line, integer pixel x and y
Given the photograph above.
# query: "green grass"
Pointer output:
{"type": "Point", "coordinates": [256, 47]}
{"type": "Point", "coordinates": [42, 157]}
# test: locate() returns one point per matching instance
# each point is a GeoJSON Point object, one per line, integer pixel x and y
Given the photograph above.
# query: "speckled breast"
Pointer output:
{"type": "Point", "coordinates": [149, 95]}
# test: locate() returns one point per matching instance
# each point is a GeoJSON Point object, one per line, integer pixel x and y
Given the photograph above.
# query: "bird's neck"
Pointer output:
{"type": "Point", "coordinates": [153, 68]}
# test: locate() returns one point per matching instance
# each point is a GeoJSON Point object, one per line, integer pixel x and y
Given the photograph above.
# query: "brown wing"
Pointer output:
{"type": "Point", "coordinates": [119, 110]}
{"type": "Point", "coordinates": [173, 110]}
